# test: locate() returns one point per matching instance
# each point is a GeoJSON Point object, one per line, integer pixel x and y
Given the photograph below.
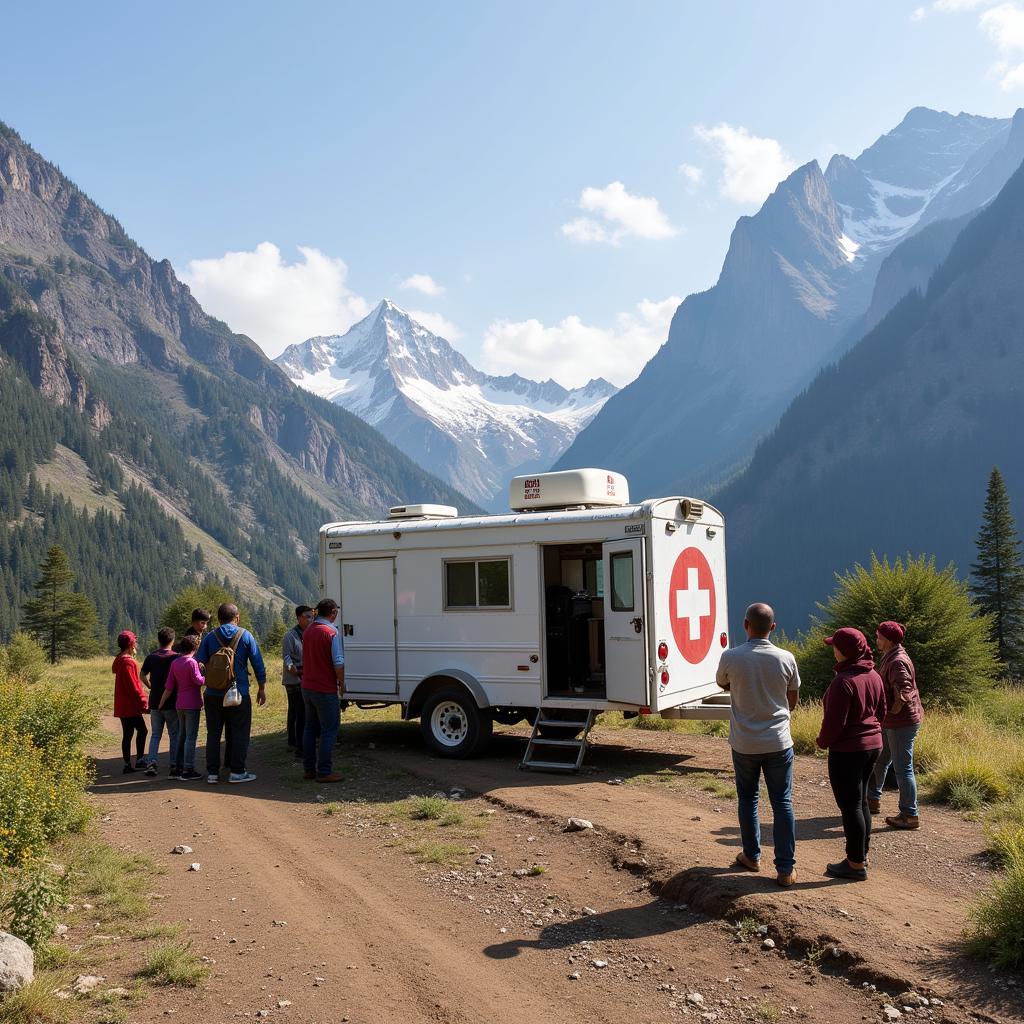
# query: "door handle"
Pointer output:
{"type": "Point", "coordinates": [348, 629]}
{"type": "Point", "coordinates": [637, 624]}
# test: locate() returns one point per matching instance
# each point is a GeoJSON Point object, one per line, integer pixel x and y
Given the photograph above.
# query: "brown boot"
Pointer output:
{"type": "Point", "coordinates": [333, 777]}
{"type": "Point", "coordinates": [748, 863]}
{"type": "Point", "coordinates": [786, 880]}
{"type": "Point", "coordinates": [874, 806]}
{"type": "Point", "coordinates": [904, 821]}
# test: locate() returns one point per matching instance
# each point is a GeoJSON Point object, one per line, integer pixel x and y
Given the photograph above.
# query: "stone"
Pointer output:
{"type": "Point", "coordinates": [116, 993]}
{"type": "Point", "coordinates": [485, 858]}
{"type": "Point", "coordinates": [768, 944]}
{"type": "Point", "coordinates": [616, 782]}
{"type": "Point", "coordinates": [182, 848]}
{"type": "Point", "coordinates": [521, 872]}
{"type": "Point", "coordinates": [575, 976]}
{"type": "Point", "coordinates": [195, 866]}
{"type": "Point", "coordinates": [890, 1012]}
{"type": "Point", "coordinates": [85, 983]}
{"type": "Point", "coordinates": [280, 924]}
{"type": "Point", "coordinates": [599, 964]}
{"type": "Point", "coordinates": [588, 911]}
{"type": "Point", "coordinates": [17, 963]}
{"type": "Point", "coordinates": [694, 998]}
{"type": "Point", "coordinates": [61, 929]}
{"type": "Point", "coordinates": [282, 1003]}
{"type": "Point", "coordinates": [578, 825]}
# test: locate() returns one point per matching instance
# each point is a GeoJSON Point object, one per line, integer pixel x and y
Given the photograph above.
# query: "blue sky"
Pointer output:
{"type": "Point", "coordinates": [559, 174]}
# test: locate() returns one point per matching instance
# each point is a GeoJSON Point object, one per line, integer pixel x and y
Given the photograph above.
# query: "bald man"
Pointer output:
{"type": "Point", "coordinates": [764, 683]}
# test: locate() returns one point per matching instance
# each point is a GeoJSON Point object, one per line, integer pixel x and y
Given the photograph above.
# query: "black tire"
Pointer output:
{"type": "Point", "coordinates": [452, 725]}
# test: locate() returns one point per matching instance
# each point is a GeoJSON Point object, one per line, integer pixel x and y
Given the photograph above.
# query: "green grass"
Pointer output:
{"type": "Point", "coordinates": [997, 919]}
{"type": "Point", "coordinates": [538, 869]}
{"type": "Point", "coordinates": [428, 808]}
{"type": "Point", "coordinates": [429, 851]}
{"type": "Point", "coordinates": [115, 883]}
{"type": "Point", "coordinates": [330, 809]}
{"type": "Point", "coordinates": [173, 963]}
{"type": "Point", "coordinates": [710, 783]}
{"type": "Point", "coordinates": [767, 1013]}
{"type": "Point", "coordinates": [37, 1002]}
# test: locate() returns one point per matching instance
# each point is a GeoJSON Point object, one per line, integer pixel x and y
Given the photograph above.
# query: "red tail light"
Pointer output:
{"type": "Point", "coordinates": [662, 651]}
{"type": "Point", "coordinates": [664, 678]}
{"type": "Point", "coordinates": [724, 640]}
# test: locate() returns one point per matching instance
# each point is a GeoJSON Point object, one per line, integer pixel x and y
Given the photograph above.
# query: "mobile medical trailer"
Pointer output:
{"type": "Point", "coordinates": [575, 602]}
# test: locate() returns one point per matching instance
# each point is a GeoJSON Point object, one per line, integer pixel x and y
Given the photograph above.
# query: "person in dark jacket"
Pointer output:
{"type": "Point", "coordinates": [851, 732]}
{"type": "Point", "coordinates": [900, 727]}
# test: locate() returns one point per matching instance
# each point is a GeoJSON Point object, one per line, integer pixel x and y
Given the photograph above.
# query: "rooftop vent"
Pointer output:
{"type": "Point", "coordinates": [423, 512]}
{"type": "Point", "coordinates": [573, 488]}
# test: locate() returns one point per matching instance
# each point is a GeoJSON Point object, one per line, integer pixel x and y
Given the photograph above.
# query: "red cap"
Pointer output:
{"type": "Point", "coordinates": [848, 641]}
{"type": "Point", "coordinates": [125, 639]}
{"type": "Point", "coordinates": [892, 631]}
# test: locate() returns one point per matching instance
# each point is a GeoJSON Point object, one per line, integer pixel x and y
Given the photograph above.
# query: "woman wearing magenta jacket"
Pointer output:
{"type": "Point", "coordinates": [851, 732]}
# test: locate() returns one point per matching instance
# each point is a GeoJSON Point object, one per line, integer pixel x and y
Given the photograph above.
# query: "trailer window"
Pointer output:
{"type": "Point", "coordinates": [622, 581]}
{"type": "Point", "coordinates": [483, 584]}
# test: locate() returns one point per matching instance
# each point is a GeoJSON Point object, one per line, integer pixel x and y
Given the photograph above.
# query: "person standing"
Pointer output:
{"type": "Point", "coordinates": [200, 620]}
{"type": "Point", "coordinates": [323, 684]}
{"type": "Point", "coordinates": [154, 678]}
{"type": "Point", "coordinates": [764, 685]}
{"type": "Point", "coordinates": [291, 651]}
{"type": "Point", "coordinates": [236, 721]}
{"type": "Point", "coordinates": [184, 691]}
{"type": "Point", "coordinates": [851, 732]}
{"type": "Point", "coordinates": [899, 729]}
{"type": "Point", "coordinates": [130, 703]}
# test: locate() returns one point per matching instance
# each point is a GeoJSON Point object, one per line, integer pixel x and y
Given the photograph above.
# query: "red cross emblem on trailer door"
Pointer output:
{"type": "Point", "coordinates": [691, 597]}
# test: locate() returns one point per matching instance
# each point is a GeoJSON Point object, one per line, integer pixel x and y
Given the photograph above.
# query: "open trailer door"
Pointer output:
{"type": "Point", "coordinates": [625, 615]}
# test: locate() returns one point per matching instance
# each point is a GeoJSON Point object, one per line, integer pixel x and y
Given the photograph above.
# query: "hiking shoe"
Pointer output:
{"type": "Point", "coordinates": [242, 777]}
{"type": "Point", "coordinates": [843, 870]}
{"type": "Point", "coordinates": [189, 776]}
{"type": "Point", "coordinates": [747, 863]}
{"type": "Point", "coordinates": [904, 821]}
{"type": "Point", "coordinates": [309, 775]}
{"type": "Point", "coordinates": [174, 774]}
{"type": "Point", "coordinates": [874, 806]}
{"type": "Point", "coordinates": [333, 777]}
{"type": "Point", "coordinates": [786, 879]}
{"type": "Point", "coordinates": [213, 778]}
{"type": "Point", "coordinates": [151, 769]}
{"type": "Point", "coordinates": [127, 770]}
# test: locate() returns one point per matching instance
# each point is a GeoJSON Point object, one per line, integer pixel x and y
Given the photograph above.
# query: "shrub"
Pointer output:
{"type": "Point", "coordinates": [37, 889]}
{"type": "Point", "coordinates": [997, 920]}
{"type": "Point", "coordinates": [47, 715]}
{"type": "Point", "coordinates": [23, 659]}
{"type": "Point", "coordinates": [966, 781]}
{"type": "Point", "coordinates": [805, 724]}
{"type": "Point", "coordinates": [1006, 843]}
{"type": "Point", "coordinates": [173, 963]}
{"type": "Point", "coordinates": [946, 637]}
{"type": "Point", "coordinates": [654, 723]}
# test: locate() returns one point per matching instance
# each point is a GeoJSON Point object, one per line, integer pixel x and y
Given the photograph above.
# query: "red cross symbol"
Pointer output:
{"type": "Point", "coordinates": [691, 596]}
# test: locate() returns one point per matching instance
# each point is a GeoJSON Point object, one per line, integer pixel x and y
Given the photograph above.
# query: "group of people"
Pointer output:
{"type": "Point", "coordinates": [871, 717]}
{"type": "Point", "coordinates": [206, 673]}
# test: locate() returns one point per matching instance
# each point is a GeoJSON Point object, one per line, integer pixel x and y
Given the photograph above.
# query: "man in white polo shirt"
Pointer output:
{"type": "Point", "coordinates": [764, 684]}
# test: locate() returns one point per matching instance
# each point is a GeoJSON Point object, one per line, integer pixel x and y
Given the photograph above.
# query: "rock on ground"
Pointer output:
{"type": "Point", "coordinates": [17, 963]}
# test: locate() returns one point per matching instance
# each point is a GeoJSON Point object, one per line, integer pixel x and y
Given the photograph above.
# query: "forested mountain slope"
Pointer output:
{"type": "Point", "coordinates": [889, 450]}
{"type": "Point", "coordinates": [190, 426]}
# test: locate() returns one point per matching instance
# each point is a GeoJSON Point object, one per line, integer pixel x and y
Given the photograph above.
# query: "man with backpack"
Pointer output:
{"type": "Point", "coordinates": [226, 654]}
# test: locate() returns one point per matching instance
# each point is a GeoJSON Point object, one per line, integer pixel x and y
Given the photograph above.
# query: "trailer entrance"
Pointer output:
{"type": "Point", "coordinates": [574, 608]}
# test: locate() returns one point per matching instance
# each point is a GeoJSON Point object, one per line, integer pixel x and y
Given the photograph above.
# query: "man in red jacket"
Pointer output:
{"type": "Point", "coordinates": [323, 683]}
{"type": "Point", "coordinates": [899, 728]}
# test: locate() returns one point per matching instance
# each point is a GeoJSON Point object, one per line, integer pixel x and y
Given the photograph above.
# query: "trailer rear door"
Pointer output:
{"type": "Point", "coordinates": [369, 625]}
{"type": "Point", "coordinates": [625, 647]}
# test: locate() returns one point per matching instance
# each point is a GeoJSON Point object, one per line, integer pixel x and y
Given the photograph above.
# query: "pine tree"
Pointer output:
{"type": "Point", "coordinates": [997, 578]}
{"type": "Point", "coordinates": [61, 620]}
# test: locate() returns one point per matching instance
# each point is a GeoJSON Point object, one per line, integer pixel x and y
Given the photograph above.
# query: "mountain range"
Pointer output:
{"type": "Point", "coordinates": [797, 288]}
{"type": "Point", "coordinates": [125, 404]}
{"type": "Point", "coordinates": [473, 430]}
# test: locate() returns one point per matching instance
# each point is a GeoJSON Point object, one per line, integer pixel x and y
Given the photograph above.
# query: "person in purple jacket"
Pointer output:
{"type": "Point", "coordinates": [899, 730]}
{"type": "Point", "coordinates": [851, 732]}
{"type": "Point", "coordinates": [184, 691]}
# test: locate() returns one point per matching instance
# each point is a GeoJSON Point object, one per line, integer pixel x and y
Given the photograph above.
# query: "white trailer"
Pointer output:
{"type": "Point", "coordinates": [575, 602]}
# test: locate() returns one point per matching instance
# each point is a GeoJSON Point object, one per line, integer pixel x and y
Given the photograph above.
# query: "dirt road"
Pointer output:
{"type": "Point", "coordinates": [332, 913]}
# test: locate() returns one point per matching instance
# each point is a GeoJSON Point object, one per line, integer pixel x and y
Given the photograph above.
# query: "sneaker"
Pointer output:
{"type": "Point", "coordinates": [874, 806]}
{"type": "Point", "coordinates": [151, 768]}
{"type": "Point", "coordinates": [213, 778]}
{"type": "Point", "coordinates": [190, 776]}
{"type": "Point", "coordinates": [127, 770]}
{"type": "Point", "coordinates": [842, 869]}
{"type": "Point", "coordinates": [174, 774]}
{"type": "Point", "coordinates": [904, 821]}
{"type": "Point", "coordinates": [141, 766]}
{"type": "Point", "coordinates": [242, 777]}
{"type": "Point", "coordinates": [333, 777]}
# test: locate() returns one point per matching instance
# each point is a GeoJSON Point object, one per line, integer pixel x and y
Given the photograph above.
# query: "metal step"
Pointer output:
{"type": "Point", "coordinates": [555, 743]}
{"type": "Point", "coordinates": [577, 743]}
{"type": "Point", "coordinates": [563, 722]}
{"type": "Point", "coordinates": [565, 766]}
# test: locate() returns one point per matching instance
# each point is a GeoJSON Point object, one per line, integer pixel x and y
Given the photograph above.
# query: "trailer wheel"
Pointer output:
{"type": "Point", "coordinates": [452, 724]}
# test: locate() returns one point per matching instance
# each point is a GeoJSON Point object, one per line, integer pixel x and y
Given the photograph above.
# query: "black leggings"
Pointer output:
{"type": "Point", "coordinates": [850, 774]}
{"type": "Point", "coordinates": [136, 725]}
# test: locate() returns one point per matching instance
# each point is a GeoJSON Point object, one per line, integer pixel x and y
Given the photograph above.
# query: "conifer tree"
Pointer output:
{"type": "Point", "coordinates": [997, 578]}
{"type": "Point", "coordinates": [61, 620]}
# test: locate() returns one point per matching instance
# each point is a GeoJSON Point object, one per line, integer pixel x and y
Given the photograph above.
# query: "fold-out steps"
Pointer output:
{"type": "Point", "coordinates": [558, 735]}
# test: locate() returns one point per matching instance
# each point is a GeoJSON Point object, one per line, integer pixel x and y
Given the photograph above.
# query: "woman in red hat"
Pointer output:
{"type": "Point", "coordinates": [851, 732]}
{"type": "Point", "coordinates": [130, 702]}
{"type": "Point", "coordinates": [899, 730]}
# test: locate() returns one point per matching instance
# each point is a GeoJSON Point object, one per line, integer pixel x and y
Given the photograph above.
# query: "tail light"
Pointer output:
{"type": "Point", "coordinates": [664, 678]}
{"type": "Point", "coordinates": [724, 640]}
{"type": "Point", "coordinates": [662, 651]}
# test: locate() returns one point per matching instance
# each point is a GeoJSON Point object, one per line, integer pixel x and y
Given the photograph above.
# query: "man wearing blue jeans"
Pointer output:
{"type": "Point", "coordinates": [764, 684]}
{"type": "Point", "coordinates": [323, 683]}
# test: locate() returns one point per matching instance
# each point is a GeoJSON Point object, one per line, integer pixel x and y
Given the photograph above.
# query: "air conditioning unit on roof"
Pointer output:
{"type": "Point", "coordinates": [423, 512]}
{"type": "Point", "coordinates": [571, 488]}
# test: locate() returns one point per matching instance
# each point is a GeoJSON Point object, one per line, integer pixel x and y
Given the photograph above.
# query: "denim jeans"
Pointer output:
{"type": "Point", "coordinates": [188, 734]}
{"type": "Point", "coordinates": [323, 717]}
{"type": "Point", "coordinates": [778, 777]}
{"type": "Point", "coordinates": [898, 751]}
{"type": "Point", "coordinates": [236, 723]}
{"type": "Point", "coordinates": [157, 720]}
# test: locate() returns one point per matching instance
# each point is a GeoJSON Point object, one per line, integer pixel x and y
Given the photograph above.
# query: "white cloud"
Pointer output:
{"type": "Point", "coordinates": [423, 283]}
{"type": "Point", "coordinates": [620, 214]}
{"type": "Point", "coordinates": [955, 6]}
{"type": "Point", "coordinates": [573, 352]}
{"type": "Point", "coordinates": [751, 166]}
{"type": "Point", "coordinates": [1004, 25]}
{"type": "Point", "coordinates": [693, 176]}
{"type": "Point", "coordinates": [275, 302]}
{"type": "Point", "coordinates": [918, 13]}
{"type": "Point", "coordinates": [436, 324]}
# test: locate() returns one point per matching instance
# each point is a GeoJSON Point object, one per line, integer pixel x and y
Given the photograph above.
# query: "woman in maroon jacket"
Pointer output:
{"type": "Point", "coordinates": [130, 702]}
{"type": "Point", "coordinates": [851, 731]}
